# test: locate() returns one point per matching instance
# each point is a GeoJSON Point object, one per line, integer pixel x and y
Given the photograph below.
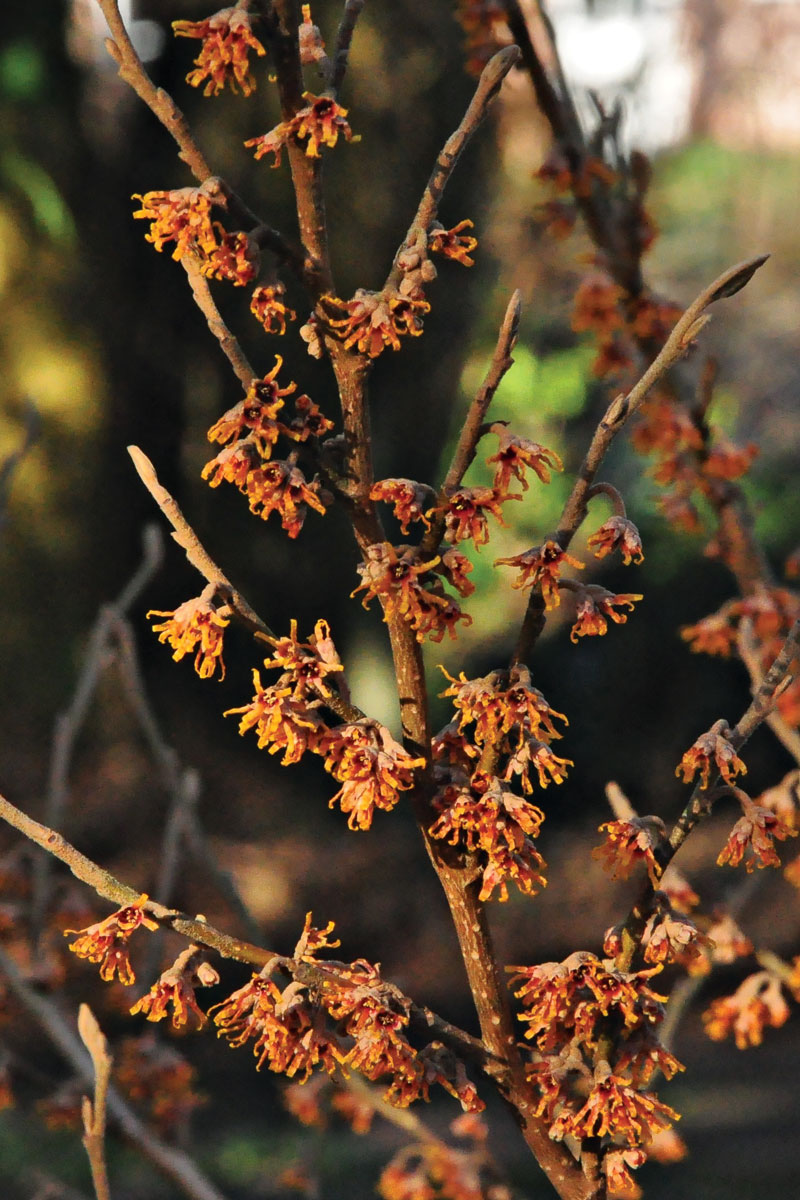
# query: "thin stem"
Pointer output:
{"type": "Point", "coordinates": [759, 709]}
{"type": "Point", "coordinates": [201, 560]}
{"type": "Point", "coordinates": [188, 540]}
{"type": "Point", "coordinates": [228, 343]}
{"type": "Point", "coordinates": [306, 170]}
{"type": "Point", "coordinates": [12, 461]}
{"type": "Point", "coordinates": [70, 722]}
{"type": "Point", "coordinates": [748, 652]}
{"type": "Point", "coordinates": [199, 931]}
{"type": "Point", "coordinates": [94, 1114]}
{"type": "Point", "coordinates": [472, 429]}
{"type": "Point", "coordinates": [344, 38]}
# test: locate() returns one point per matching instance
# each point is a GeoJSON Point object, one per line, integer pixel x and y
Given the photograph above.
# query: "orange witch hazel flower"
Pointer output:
{"type": "Point", "coordinates": [306, 665]}
{"type": "Point", "coordinates": [224, 57]}
{"type": "Point", "coordinates": [465, 513]}
{"type": "Point", "coordinates": [371, 766]}
{"type": "Point", "coordinates": [542, 565]}
{"type": "Point", "coordinates": [485, 24]}
{"type": "Point", "coordinates": [371, 321]}
{"type": "Point", "coordinates": [409, 588]}
{"type": "Point", "coordinates": [565, 1001]}
{"type": "Point", "coordinates": [267, 306]}
{"type": "Point", "coordinates": [282, 1026]}
{"type": "Point", "coordinates": [614, 1107]}
{"type": "Point", "coordinates": [106, 942]}
{"type": "Point", "coordinates": [672, 937]}
{"type": "Point", "coordinates": [754, 831]}
{"type": "Point", "coordinates": [756, 1003]}
{"type": "Point", "coordinates": [235, 259]}
{"type": "Point", "coordinates": [596, 306]}
{"type": "Point", "coordinates": [595, 605]}
{"type": "Point", "coordinates": [409, 499]}
{"type": "Point", "coordinates": [196, 626]}
{"type": "Point", "coordinates": [175, 987]}
{"type": "Point", "coordinates": [281, 487]}
{"type": "Point", "coordinates": [531, 753]}
{"type": "Point", "coordinates": [618, 533]}
{"type": "Point", "coordinates": [715, 634]}
{"type": "Point", "coordinates": [617, 1167]}
{"type": "Point", "coordinates": [496, 708]}
{"type": "Point", "coordinates": [500, 826]}
{"type": "Point", "coordinates": [630, 842]}
{"type": "Point", "coordinates": [182, 216]}
{"type": "Point", "coordinates": [319, 123]}
{"type": "Point", "coordinates": [256, 415]}
{"type": "Point", "coordinates": [453, 243]}
{"type": "Point", "coordinates": [712, 746]}
{"type": "Point", "coordinates": [281, 722]}
{"type": "Point", "coordinates": [515, 454]}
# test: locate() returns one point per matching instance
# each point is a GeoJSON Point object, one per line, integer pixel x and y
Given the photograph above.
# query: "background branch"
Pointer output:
{"type": "Point", "coordinates": [172, 1163]}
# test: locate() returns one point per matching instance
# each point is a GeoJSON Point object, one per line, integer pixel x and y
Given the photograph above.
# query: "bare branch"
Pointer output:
{"type": "Point", "coordinates": [188, 540]}
{"type": "Point", "coordinates": [69, 723]}
{"type": "Point", "coordinates": [344, 37]}
{"type": "Point", "coordinates": [472, 428]}
{"type": "Point", "coordinates": [94, 1114]}
{"type": "Point", "coordinates": [228, 343]}
{"type": "Point", "coordinates": [748, 651]}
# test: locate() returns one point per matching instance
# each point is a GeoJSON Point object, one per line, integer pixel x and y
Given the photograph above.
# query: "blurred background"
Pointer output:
{"type": "Point", "coordinates": [101, 346]}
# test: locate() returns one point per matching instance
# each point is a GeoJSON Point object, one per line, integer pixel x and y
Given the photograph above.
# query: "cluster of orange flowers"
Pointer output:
{"type": "Point", "coordinates": [161, 1083]}
{"type": "Point", "coordinates": [672, 936]}
{"type": "Point", "coordinates": [409, 585]}
{"type": "Point", "coordinates": [371, 322]}
{"type": "Point", "coordinates": [224, 56]}
{"type": "Point", "coordinates": [411, 589]}
{"type": "Point", "coordinates": [570, 1009]}
{"type": "Point", "coordinates": [541, 567]}
{"type": "Point", "coordinates": [691, 460]}
{"type": "Point", "coordinates": [758, 1002]}
{"type": "Point", "coordinates": [173, 992]}
{"type": "Point", "coordinates": [252, 427]}
{"type": "Point", "coordinates": [770, 612]}
{"type": "Point", "coordinates": [183, 217]}
{"type": "Point", "coordinates": [362, 755]}
{"type": "Point", "coordinates": [430, 1168]}
{"type": "Point", "coordinates": [619, 323]}
{"type": "Point", "coordinates": [347, 1019]}
{"type": "Point", "coordinates": [512, 727]}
